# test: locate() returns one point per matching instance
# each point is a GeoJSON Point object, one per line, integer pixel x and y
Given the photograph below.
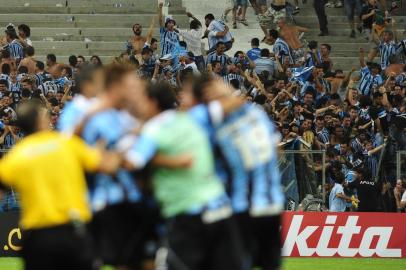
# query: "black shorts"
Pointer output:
{"type": "Point", "coordinates": [120, 233]}
{"type": "Point", "coordinates": [194, 245]}
{"type": "Point", "coordinates": [62, 247]}
{"type": "Point", "coordinates": [261, 240]}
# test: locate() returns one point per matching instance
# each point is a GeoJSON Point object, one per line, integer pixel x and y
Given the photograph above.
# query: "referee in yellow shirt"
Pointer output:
{"type": "Point", "coordinates": [47, 169]}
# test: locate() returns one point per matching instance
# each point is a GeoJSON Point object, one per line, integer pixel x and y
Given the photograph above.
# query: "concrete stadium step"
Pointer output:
{"type": "Point", "coordinates": [32, 3]}
{"type": "Point", "coordinates": [84, 10]}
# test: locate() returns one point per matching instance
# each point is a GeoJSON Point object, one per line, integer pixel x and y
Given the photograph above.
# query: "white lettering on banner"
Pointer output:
{"type": "Point", "coordinates": [299, 238]}
{"type": "Point", "coordinates": [347, 232]}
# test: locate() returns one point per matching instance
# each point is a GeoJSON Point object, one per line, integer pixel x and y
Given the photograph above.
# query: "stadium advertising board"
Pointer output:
{"type": "Point", "coordinates": [304, 234]}
{"type": "Point", "coordinates": [10, 234]}
{"type": "Point", "coordinates": [314, 234]}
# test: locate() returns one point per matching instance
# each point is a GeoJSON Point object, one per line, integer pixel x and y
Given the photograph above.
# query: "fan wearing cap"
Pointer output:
{"type": "Point", "coordinates": [13, 45]}
{"type": "Point", "coordinates": [370, 76]}
{"type": "Point", "coordinates": [169, 38]}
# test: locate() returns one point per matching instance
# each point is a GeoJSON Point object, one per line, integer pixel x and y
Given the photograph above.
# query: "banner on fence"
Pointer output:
{"type": "Point", "coordinates": [315, 234]}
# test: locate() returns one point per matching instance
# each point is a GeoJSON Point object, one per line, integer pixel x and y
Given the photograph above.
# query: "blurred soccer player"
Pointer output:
{"type": "Point", "coordinates": [201, 234]}
{"type": "Point", "coordinates": [89, 83]}
{"type": "Point", "coordinates": [53, 194]}
{"type": "Point", "coordinates": [119, 222]}
{"type": "Point", "coordinates": [247, 141]}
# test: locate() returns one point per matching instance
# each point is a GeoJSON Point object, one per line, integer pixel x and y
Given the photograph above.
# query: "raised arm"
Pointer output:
{"type": "Point", "coordinates": [190, 15]}
{"type": "Point", "coordinates": [160, 15]}
{"type": "Point", "coordinates": [150, 31]}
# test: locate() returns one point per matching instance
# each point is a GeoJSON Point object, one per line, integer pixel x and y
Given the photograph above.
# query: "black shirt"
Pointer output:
{"type": "Point", "coordinates": [368, 195]}
{"type": "Point", "coordinates": [366, 9]}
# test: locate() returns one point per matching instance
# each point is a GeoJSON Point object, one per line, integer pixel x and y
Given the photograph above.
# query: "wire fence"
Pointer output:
{"type": "Point", "coordinates": [303, 174]}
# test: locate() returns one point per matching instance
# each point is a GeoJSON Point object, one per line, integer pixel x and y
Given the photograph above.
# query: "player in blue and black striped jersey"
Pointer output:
{"type": "Point", "coordinates": [247, 143]}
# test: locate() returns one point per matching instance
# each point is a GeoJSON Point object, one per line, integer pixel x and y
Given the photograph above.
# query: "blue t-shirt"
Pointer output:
{"type": "Point", "coordinates": [254, 53]}
{"type": "Point", "coordinates": [337, 204]}
{"type": "Point", "coordinates": [110, 126]}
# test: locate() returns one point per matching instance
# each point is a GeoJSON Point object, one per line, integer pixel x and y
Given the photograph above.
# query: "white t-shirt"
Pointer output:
{"type": "Point", "coordinates": [193, 39]}
{"type": "Point", "coordinates": [404, 197]}
{"type": "Point", "coordinates": [214, 28]}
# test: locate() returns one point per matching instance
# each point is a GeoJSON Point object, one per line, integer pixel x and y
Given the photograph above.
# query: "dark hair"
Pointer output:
{"type": "Point", "coordinates": [255, 42]}
{"type": "Point", "coordinates": [312, 44]}
{"type": "Point", "coordinates": [6, 69]}
{"type": "Point", "coordinates": [40, 65]}
{"type": "Point", "coordinates": [86, 75]}
{"type": "Point", "coordinates": [68, 70]}
{"type": "Point", "coordinates": [116, 71]}
{"type": "Point", "coordinates": [51, 57]}
{"type": "Point", "coordinates": [214, 63]}
{"type": "Point", "coordinates": [25, 93]}
{"type": "Point", "coordinates": [328, 46]}
{"type": "Point", "coordinates": [25, 28]}
{"type": "Point", "coordinates": [4, 82]}
{"type": "Point", "coordinates": [30, 51]}
{"type": "Point", "coordinates": [219, 43]}
{"type": "Point", "coordinates": [153, 40]}
{"type": "Point", "coordinates": [100, 63]}
{"type": "Point", "coordinates": [274, 33]}
{"type": "Point", "coordinates": [162, 93]}
{"type": "Point", "coordinates": [22, 70]}
{"type": "Point", "coordinates": [335, 96]}
{"type": "Point", "coordinates": [209, 17]}
{"type": "Point", "coordinates": [146, 50]}
{"type": "Point", "coordinates": [265, 53]}
{"type": "Point", "coordinates": [12, 33]}
{"type": "Point", "coordinates": [237, 53]}
{"type": "Point", "coordinates": [81, 56]}
{"type": "Point", "coordinates": [28, 114]}
{"type": "Point", "coordinates": [73, 60]}
{"type": "Point", "coordinates": [183, 44]}
{"type": "Point", "coordinates": [195, 24]}
{"type": "Point", "coordinates": [235, 84]}
{"type": "Point", "coordinates": [365, 101]}
{"type": "Point", "coordinates": [199, 85]}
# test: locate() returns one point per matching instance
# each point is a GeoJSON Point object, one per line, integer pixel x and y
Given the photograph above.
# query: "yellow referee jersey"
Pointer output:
{"type": "Point", "coordinates": [47, 169]}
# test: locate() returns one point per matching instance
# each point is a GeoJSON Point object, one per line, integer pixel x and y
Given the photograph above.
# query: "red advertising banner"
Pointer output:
{"type": "Point", "coordinates": [315, 234]}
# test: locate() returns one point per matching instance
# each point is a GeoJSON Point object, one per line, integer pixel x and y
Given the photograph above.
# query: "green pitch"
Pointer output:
{"type": "Point", "coordinates": [289, 264]}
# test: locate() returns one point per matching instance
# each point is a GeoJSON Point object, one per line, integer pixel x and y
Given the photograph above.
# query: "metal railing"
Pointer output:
{"type": "Point", "coordinates": [400, 164]}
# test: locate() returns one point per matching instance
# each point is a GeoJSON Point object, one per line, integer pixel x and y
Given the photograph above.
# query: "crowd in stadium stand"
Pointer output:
{"type": "Point", "coordinates": [357, 115]}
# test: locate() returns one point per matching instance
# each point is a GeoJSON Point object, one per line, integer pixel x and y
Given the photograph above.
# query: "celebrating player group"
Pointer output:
{"type": "Point", "coordinates": [139, 176]}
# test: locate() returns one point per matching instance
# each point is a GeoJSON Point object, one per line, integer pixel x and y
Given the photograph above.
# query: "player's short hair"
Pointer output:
{"type": "Point", "coordinates": [28, 114]}
{"type": "Point", "coordinates": [116, 72]}
{"type": "Point", "coordinates": [163, 94]}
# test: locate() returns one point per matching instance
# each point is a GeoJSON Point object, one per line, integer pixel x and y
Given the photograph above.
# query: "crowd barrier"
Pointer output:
{"type": "Point", "coordinates": [304, 234]}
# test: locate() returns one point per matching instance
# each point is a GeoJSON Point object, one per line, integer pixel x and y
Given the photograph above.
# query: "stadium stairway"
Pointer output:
{"type": "Point", "coordinates": [84, 27]}
{"type": "Point", "coordinates": [344, 49]}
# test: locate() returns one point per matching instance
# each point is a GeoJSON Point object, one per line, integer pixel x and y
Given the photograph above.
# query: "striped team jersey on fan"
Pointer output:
{"type": "Point", "coordinates": [387, 50]}
{"type": "Point", "coordinates": [16, 50]}
{"type": "Point", "coordinates": [248, 141]}
{"type": "Point", "coordinates": [169, 41]}
{"type": "Point", "coordinates": [368, 82]}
